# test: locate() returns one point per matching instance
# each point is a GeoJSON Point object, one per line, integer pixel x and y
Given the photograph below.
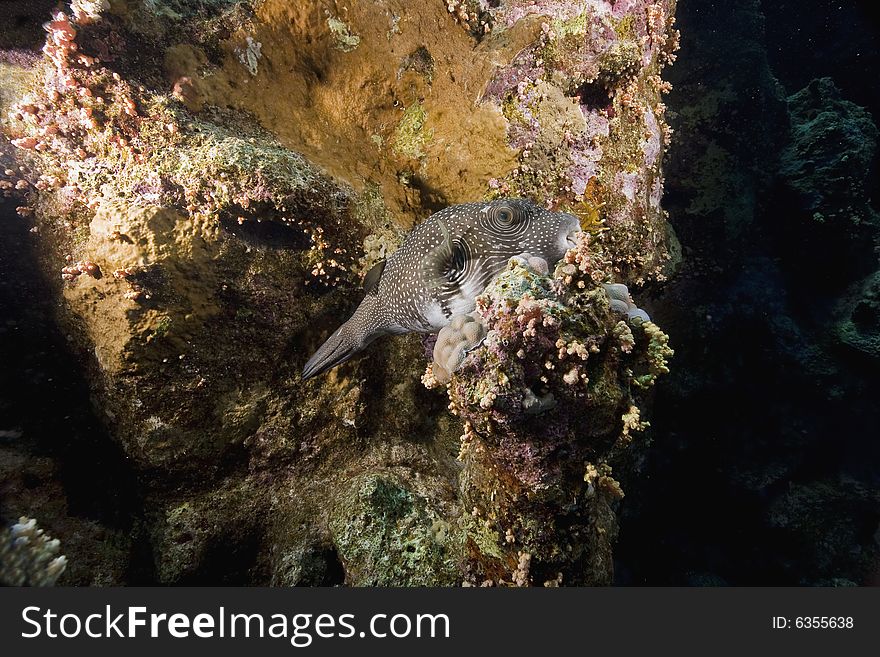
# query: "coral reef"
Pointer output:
{"type": "Point", "coordinates": [621, 302]}
{"type": "Point", "coordinates": [830, 553]}
{"type": "Point", "coordinates": [530, 485]}
{"type": "Point", "coordinates": [572, 100]}
{"type": "Point", "coordinates": [832, 142]}
{"type": "Point", "coordinates": [388, 535]}
{"type": "Point", "coordinates": [204, 185]}
{"type": "Point", "coordinates": [831, 139]}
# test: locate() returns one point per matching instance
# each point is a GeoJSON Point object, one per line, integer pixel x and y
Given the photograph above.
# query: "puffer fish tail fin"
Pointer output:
{"type": "Point", "coordinates": [346, 341]}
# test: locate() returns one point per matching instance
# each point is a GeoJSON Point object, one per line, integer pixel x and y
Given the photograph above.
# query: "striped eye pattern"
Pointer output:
{"type": "Point", "coordinates": [506, 219]}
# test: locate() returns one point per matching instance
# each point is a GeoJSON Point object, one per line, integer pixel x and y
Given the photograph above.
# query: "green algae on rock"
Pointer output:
{"type": "Point", "coordinates": [387, 535]}
{"type": "Point", "coordinates": [411, 134]}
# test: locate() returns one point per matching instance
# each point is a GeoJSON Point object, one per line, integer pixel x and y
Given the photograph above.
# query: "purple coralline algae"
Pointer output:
{"type": "Point", "coordinates": [584, 110]}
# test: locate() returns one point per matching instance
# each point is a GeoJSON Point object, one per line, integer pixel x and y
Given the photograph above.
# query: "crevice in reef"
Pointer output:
{"type": "Point", "coordinates": [228, 560]}
{"type": "Point", "coordinates": [329, 570]}
{"type": "Point", "coordinates": [22, 24]}
{"type": "Point", "coordinates": [262, 225]}
{"type": "Point", "coordinates": [593, 96]}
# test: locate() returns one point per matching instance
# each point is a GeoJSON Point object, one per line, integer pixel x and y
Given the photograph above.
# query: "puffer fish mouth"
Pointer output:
{"type": "Point", "coordinates": [570, 228]}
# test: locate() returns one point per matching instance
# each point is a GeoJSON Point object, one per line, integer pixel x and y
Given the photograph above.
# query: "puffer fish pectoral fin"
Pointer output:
{"type": "Point", "coordinates": [454, 252]}
{"type": "Point", "coordinates": [446, 262]}
{"type": "Point", "coordinates": [346, 341]}
{"type": "Point", "coordinates": [458, 258]}
{"type": "Point", "coordinates": [444, 230]}
{"type": "Point", "coordinates": [371, 280]}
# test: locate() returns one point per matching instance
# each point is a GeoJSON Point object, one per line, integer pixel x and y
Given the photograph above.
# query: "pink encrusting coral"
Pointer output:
{"type": "Point", "coordinates": [592, 76]}
{"type": "Point", "coordinates": [511, 12]}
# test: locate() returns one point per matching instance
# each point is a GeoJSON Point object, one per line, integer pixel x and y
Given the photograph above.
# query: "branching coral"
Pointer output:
{"type": "Point", "coordinates": [28, 557]}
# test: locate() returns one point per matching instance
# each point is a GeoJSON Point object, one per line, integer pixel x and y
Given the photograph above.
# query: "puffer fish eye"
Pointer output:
{"type": "Point", "coordinates": [504, 215]}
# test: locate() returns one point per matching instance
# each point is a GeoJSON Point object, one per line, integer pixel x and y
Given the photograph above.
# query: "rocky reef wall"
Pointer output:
{"type": "Point", "coordinates": [205, 184]}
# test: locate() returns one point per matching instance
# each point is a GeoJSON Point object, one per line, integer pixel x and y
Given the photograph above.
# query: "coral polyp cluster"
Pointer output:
{"type": "Point", "coordinates": [463, 333]}
{"type": "Point", "coordinates": [538, 478]}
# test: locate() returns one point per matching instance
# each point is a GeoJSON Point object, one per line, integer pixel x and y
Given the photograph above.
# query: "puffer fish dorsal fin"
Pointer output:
{"type": "Point", "coordinates": [446, 261]}
{"type": "Point", "coordinates": [371, 280]}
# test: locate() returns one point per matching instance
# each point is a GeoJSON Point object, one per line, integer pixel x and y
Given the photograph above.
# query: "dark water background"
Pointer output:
{"type": "Point", "coordinates": [765, 463]}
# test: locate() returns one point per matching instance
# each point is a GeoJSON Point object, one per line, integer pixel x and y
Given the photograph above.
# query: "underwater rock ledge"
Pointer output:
{"type": "Point", "coordinates": [207, 184]}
